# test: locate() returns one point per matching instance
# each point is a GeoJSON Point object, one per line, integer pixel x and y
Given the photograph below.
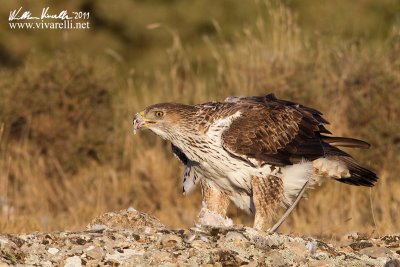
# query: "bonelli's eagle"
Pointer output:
{"type": "Point", "coordinates": [258, 152]}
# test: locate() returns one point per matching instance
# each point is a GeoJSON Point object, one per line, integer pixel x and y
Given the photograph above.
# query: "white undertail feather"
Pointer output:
{"type": "Point", "coordinates": [294, 177]}
{"type": "Point", "coordinates": [242, 201]}
{"type": "Point", "coordinates": [331, 168]}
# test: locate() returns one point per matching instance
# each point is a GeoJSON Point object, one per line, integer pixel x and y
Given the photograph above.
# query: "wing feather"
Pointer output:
{"type": "Point", "coordinates": [281, 132]}
{"type": "Point", "coordinates": [263, 132]}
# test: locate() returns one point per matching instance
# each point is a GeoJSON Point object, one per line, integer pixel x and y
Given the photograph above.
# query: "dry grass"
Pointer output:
{"type": "Point", "coordinates": [62, 167]}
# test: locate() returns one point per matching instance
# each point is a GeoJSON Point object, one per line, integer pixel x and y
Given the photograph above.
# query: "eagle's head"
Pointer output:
{"type": "Point", "coordinates": [163, 119]}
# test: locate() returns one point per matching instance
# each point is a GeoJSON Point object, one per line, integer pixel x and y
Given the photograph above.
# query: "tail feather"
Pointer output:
{"type": "Point", "coordinates": [358, 174]}
{"type": "Point", "coordinates": [345, 142]}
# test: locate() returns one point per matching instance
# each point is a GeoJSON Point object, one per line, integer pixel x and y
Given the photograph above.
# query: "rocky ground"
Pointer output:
{"type": "Point", "coordinates": [132, 238]}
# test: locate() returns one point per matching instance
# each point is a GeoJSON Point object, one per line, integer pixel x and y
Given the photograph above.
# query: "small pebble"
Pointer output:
{"type": "Point", "coordinates": [171, 241]}
{"type": "Point", "coordinates": [53, 251]}
{"type": "Point", "coordinates": [74, 261]}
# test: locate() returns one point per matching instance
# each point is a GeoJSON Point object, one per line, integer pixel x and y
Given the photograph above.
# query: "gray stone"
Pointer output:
{"type": "Point", "coordinates": [95, 253]}
{"type": "Point", "coordinates": [321, 256]}
{"type": "Point", "coordinates": [392, 263]}
{"type": "Point", "coordinates": [376, 252]}
{"type": "Point", "coordinates": [312, 247]}
{"type": "Point", "coordinates": [276, 259]}
{"type": "Point", "coordinates": [74, 261]}
{"type": "Point", "coordinates": [53, 251]}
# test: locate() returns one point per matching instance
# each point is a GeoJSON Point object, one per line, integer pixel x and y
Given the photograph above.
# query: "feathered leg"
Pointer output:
{"type": "Point", "coordinates": [215, 206]}
{"type": "Point", "coordinates": [214, 200]}
{"type": "Point", "coordinates": [267, 197]}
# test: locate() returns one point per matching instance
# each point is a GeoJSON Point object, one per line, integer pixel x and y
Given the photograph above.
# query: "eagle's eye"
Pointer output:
{"type": "Point", "coordinates": [158, 114]}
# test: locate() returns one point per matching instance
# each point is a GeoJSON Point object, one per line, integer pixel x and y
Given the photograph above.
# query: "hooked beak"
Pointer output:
{"type": "Point", "coordinates": [138, 121]}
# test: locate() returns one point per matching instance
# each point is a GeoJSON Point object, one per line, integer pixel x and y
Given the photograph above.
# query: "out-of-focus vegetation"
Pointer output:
{"type": "Point", "coordinates": [67, 153]}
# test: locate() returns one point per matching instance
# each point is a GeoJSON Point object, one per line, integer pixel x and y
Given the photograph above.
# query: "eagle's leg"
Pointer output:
{"type": "Point", "coordinates": [215, 206]}
{"type": "Point", "coordinates": [267, 197]}
{"type": "Point", "coordinates": [214, 200]}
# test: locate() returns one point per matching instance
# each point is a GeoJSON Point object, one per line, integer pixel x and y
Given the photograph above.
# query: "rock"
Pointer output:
{"type": "Point", "coordinates": [46, 264]}
{"type": "Point", "coordinates": [53, 251]}
{"type": "Point", "coordinates": [161, 258]}
{"type": "Point", "coordinates": [360, 245]}
{"type": "Point", "coordinates": [321, 256]}
{"type": "Point", "coordinates": [204, 239]}
{"type": "Point", "coordinates": [3, 241]}
{"type": "Point", "coordinates": [376, 252]}
{"type": "Point", "coordinates": [123, 255]}
{"type": "Point", "coordinates": [141, 240]}
{"type": "Point", "coordinates": [298, 251]}
{"type": "Point", "coordinates": [250, 264]}
{"type": "Point", "coordinates": [97, 227]}
{"type": "Point", "coordinates": [392, 263]}
{"type": "Point", "coordinates": [126, 219]}
{"type": "Point", "coordinates": [171, 241]}
{"type": "Point", "coordinates": [312, 247]}
{"type": "Point", "coordinates": [76, 250]}
{"type": "Point", "coordinates": [227, 258]}
{"type": "Point", "coordinates": [276, 259]}
{"type": "Point", "coordinates": [189, 238]}
{"type": "Point", "coordinates": [32, 259]}
{"type": "Point", "coordinates": [390, 239]}
{"type": "Point", "coordinates": [266, 243]}
{"type": "Point", "coordinates": [318, 263]}
{"type": "Point", "coordinates": [199, 245]}
{"type": "Point", "coordinates": [92, 263]}
{"type": "Point", "coordinates": [95, 253]}
{"type": "Point", "coordinates": [74, 261]}
{"type": "Point", "coordinates": [238, 239]}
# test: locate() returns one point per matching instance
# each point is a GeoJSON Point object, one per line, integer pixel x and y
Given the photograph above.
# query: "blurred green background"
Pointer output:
{"type": "Point", "coordinates": [121, 29]}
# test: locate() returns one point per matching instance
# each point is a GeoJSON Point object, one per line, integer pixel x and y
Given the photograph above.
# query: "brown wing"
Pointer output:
{"type": "Point", "coordinates": [275, 134]}
{"type": "Point", "coordinates": [265, 133]}
{"type": "Point", "coordinates": [271, 98]}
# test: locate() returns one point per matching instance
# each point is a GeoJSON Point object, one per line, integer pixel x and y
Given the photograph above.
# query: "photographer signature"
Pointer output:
{"type": "Point", "coordinates": [27, 15]}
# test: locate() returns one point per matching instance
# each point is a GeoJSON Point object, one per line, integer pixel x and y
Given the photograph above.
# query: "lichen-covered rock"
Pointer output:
{"type": "Point", "coordinates": [171, 241]}
{"type": "Point", "coordinates": [377, 252]}
{"type": "Point", "coordinates": [125, 219]}
{"type": "Point", "coordinates": [132, 238]}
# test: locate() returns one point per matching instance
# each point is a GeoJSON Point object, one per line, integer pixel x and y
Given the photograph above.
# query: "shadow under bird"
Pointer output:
{"type": "Point", "coordinates": [259, 152]}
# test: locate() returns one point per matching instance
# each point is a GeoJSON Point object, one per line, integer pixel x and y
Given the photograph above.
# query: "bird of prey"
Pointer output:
{"type": "Point", "coordinates": [259, 152]}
